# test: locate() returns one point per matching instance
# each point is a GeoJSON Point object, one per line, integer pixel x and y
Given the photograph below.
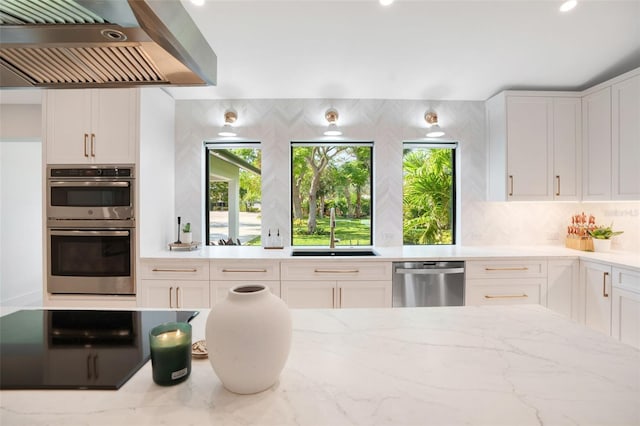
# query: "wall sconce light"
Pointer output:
{"type": "Point", "coordinates": [332, 116]}
{"type": "Point", "coordinates": [434, 130]}
{"type": "Point", "coordinates": [230, 117]}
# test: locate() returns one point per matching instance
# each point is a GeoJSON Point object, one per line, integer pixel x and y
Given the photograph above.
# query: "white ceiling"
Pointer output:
{"type": "Point", "coordinates": [414, 49]}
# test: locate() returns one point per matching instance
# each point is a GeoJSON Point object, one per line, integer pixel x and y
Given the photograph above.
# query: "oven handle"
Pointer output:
{"type": "Point", "coordinates": [89, 233]}
{"type": "Point", "coordinates": [101, 184]}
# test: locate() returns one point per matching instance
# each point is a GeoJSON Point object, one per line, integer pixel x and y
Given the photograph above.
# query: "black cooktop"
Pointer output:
{"type": "Point", "coordinates": [76, 349]}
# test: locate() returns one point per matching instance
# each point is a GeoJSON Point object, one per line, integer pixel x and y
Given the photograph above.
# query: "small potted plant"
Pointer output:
{"type": "Point", "coordinates": [187, 236]}
{"type": "Point", "coordinates": [602, 237]}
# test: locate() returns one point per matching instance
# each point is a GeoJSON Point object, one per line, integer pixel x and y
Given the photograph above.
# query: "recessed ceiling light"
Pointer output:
{"type": "Point", "coordinates": [385, 2]}
{"type": "Point", "coordinates": [198, 2]}
{"type": "Point", "coordinates": [568, 5]}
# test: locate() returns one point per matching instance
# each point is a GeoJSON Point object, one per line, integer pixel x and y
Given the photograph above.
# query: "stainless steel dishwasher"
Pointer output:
{"type": "Point", "coordinates": [428, 284]}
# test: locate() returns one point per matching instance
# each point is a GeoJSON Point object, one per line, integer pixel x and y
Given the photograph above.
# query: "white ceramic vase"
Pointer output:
{"type": "Point", "coordinates": [187, 237]}
{"type": "Point", "coordinates": [248, 338]}
{"type": "Point", "coordinates": [601, 245]}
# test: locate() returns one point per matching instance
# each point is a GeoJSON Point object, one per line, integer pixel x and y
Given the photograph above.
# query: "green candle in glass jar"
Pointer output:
{"type": "Point", "coordinates": [170, 352]}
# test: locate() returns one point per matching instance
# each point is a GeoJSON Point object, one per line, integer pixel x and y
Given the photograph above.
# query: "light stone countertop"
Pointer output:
{"type": "Point", "coordinates": [407, 253]}
{"type": "Point", "coordinates": [497, 365]}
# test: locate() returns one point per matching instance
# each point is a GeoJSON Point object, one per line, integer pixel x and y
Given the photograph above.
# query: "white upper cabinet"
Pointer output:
{"type": "Point", "coordinates": [611, 139]}
{"type": "Point", "coordinates": [625, 139]}
{"type": "Point", "coordinates": [596, 119]}
{"type": "Point", "coordinates": [534, 147]}
{"type": "Point", "coordinates": [91, 126]}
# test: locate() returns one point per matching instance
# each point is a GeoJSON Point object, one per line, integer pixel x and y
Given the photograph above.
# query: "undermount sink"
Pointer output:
{"type": "Point", "coordinates": [334, 252]}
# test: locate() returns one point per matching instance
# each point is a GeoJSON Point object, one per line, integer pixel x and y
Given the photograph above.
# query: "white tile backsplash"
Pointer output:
{"type": "Point", "coordinates": [386, 122]}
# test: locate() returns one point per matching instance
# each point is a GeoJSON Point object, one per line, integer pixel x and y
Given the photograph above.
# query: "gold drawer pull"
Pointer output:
{"type": "Point", "coordinates": [506, 296]}
{"type": "Point", "coordinates": [336, 271]}
{"type": "Point", "coordinates": [508, 268]}
{"type": "Point", "coordinates": [173, 270]}
{"type": "Point", "coordinates": [244, 270]}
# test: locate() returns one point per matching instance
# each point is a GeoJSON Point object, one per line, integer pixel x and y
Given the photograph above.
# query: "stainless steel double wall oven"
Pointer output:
{"type": "Point", "coordinates": [91, 230]}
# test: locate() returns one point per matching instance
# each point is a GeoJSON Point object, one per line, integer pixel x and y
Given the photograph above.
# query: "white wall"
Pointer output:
{"type": "Point", "coordinates": [387, 122]}
{"type": "Point", "coordinates": [156, 171]}
{"type": "Point", "coordinates": [277, 122]}
{"type": "Point", "coordinates": [21, 223]}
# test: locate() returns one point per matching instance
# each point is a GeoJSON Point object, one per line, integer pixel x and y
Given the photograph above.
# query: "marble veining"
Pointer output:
{"type": "Point", "coordinates": [507, 365]}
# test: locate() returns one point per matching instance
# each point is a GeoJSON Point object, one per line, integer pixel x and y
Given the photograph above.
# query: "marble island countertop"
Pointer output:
{"type": "Point", "coordinates": [408, 253]}
{"type": "Point", "coordinates": [509, 365]}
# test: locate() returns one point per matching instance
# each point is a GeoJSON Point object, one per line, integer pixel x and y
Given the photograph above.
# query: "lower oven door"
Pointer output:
{"type": "Point", "coordinates": [91, 261]}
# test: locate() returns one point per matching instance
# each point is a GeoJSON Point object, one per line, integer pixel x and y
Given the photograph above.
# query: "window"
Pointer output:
{"type": "Point", "coordinates": [429, 196]}
{"type": "Point", "coordinates": [233, 198]}
{"type": "Point", "coordinates": [330, 175]}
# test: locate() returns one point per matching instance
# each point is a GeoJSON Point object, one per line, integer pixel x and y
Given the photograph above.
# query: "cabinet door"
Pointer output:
{"type": "Point", "coordinates": [309, 294]}
{"type": "Point", "coordinates": [562, 287]}
{"type": "Point", "coordinates": [529, 148]}
{"type": "Point", "coordinates": [114, 125]}
{"type": "Point", "coordinates": [596, 281]}
{"type": "Point", "coordinates": [625, 306]}
{"type": "Point", "coordinates": [625, 132]}
{"type": "Point", "coordinates": [596, 156]}
{"type": "Point", "coordinates": [369, 294]}
{"type": "Point", "coordinates": [68, 126]}
{"type": "Point", "coordinates": [173, 294]}
{"type": "Point", "coordinates": [566, 148]}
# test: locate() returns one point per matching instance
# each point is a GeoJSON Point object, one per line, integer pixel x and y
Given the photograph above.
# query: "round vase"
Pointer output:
{"type": "Point", "coordinates": [601, 245]}
{"type": "Point", "coordinates": [248, 338]}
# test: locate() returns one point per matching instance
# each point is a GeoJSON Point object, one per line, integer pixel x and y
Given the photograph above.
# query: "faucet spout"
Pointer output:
{"type": "Point", "coordinates": [332, 228]}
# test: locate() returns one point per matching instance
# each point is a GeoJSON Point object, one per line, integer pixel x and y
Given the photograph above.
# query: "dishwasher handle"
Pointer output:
{"type": "Point", "coordinates": [435, 271]}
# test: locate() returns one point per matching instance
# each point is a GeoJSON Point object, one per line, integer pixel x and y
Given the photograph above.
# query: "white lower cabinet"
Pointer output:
{"type": "Point", "coordinates": [563, 279]}
{"type": "Point", "coordinates": [506, 282]}
{"type": "Point", "coordinates": [625, 306]}
{"type": "Point", "coordinates": [333, 284]}
{"type": "Point", "coordinates": [226, 274]}
{"type": "Point", "coordinates": [174, 284]}
{"type": "Point", "coordinates": [174, 294]}
{"type": "Point", "coordinates": [596, 286]}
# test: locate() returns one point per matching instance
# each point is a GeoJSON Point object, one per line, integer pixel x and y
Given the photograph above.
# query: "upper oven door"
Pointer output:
{"type": "Point", "coordinates": [90, 199]}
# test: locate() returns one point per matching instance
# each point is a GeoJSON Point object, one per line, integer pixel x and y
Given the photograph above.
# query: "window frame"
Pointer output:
{"type": "Point", "coordinates": [222, 144]}
{"type": "Point", "coordinates": [333, 142]}
{"type": "Point", "coordinates": [455, 204]}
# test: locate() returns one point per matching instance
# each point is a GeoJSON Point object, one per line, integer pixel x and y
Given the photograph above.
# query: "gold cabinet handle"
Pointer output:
{"type": "Point", "coordinates": [244, 270]}
{"type": "Point", "coordinates": [506, 296]}
{"type": "Point", "coordinates": [340, 296]}
{"type": "Point", "coordinates": [510, 185]}
{"type": "Point", "coordinates": [170, 297]}
{"type": "Point", "coordinates": [336, 271]}
{"type": "Point", "coordinates": [93, 144]}
{"type": "Point", "coordinates": [558, 184]}
{"type": "Point", "coordinates": [85, 145]}
{"type": "Point", "coordinates": [508, 268]}
{"type": "Point", "coordinates": [333, 297]}
{"type": "Point", "coordinates": [604, 284]}
{"type": "Point", "coordinates": [177, 297]}
{"type": "Point", "coordinates": [173, 270]}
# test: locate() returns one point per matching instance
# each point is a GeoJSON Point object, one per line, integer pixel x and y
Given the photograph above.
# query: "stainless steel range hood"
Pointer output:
{"type": "Point", "coordinates": [101, 43]}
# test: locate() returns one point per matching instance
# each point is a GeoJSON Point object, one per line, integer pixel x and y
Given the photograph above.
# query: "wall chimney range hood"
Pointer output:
{"type": "Point", "coordinates": [101, 44]}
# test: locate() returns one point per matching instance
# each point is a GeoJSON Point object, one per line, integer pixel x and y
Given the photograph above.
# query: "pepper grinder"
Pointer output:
{"type": "Point", "coordinates": [178, 240]}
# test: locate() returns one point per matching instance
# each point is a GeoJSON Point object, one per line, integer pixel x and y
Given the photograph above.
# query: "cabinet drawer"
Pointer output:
{"type": "Point", "coordinates": [626, 279]}
{"type": "Point", "coordinates": [511, 292]}
{"type": "Point", "coordinates": [174, 269]}
{"type": "Point", "coordinates": [332, 270]}
{"type": "Point", "coordinates": [244, 270]}
{"type": "Point", "coordinates": [506, 268]}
